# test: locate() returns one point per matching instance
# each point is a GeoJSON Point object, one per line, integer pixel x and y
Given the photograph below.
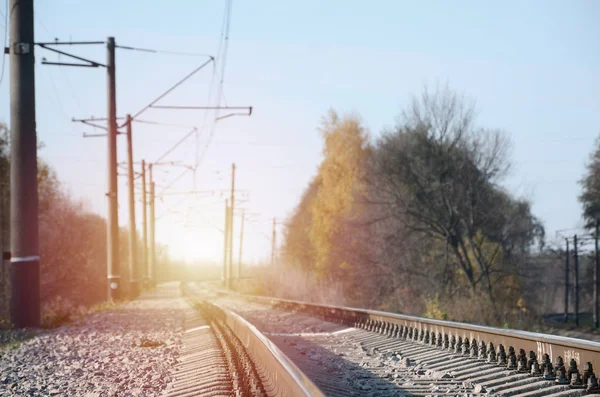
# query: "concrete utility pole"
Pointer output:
{"type": "Point", "coordinates": [152, 245]}
{"type": "Point", "coordinates": [134, 288]}
{"type": "Point", "coordinates": [25, 254]}
{"type": "Point", "coordinates": [225, 244]}
{"type": "Point", "coordinates": [145, 271]}
{"type": "Point", "coordinates": [273, 243]}
{"type": "Point", "coordinates": [567, 282]}
{"type": "Point", "coordinates": [231, 209]}
{"type": "Point", "coordinates": [230, 246]}
{"type": "Point", "coordinates": [112, 224]}
{"type": "Point", "coordinates": [596, 276]}
{"type": "Point", "coordinates": [114, 278]}
{"type": "Point", "coordinates": [239, 272]}
{"type": "Point", "coordinates": [576, 258]}
{"type": "Point", "coordinates": [2, 216]}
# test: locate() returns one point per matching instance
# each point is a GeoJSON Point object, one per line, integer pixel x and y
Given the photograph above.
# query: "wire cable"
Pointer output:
{"type": "Point", "coordinates": [173, 87]}
{"type": "Point", "coordinates": [170, 209]}
{"type": "Point", "coordinates": [186, 136]}
{"type": "Point", "coordinates": [60, 105]}
{"type": "Point", "coordinates": [154, 51]}
{"type": "Point", "coordinates": [225, 34]}
{"type": "Point", "coordinates": [187, 127]}
{"type": "Point", "coordinates": [225, 38]}
{"type": "Point", "coordinates": [174, 180]}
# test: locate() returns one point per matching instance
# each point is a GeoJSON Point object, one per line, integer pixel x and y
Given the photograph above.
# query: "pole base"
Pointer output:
{"type": "Point", "coordinates": [114, 288]}
{"type": "Point", "coordinates": [25, 292]}
{"type": "Point", "coordinates": [134, 289]}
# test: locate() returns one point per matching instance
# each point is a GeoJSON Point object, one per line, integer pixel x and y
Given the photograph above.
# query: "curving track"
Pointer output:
{"type": "Point", "coordinates": [224, 355]}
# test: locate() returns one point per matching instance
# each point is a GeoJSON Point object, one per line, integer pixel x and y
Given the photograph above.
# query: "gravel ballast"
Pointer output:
{"type": "Point", "coordinates": [341, 358]}
{"type": "Point", "coordinates": [125, 351]}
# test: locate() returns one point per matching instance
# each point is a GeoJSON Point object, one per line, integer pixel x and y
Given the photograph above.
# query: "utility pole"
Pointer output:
{"type": "Point", "coordinates": [596, 276]}
{"type": "Point", "coordinates": [2, 216]}
{"type": "Point", "coordinates": [273, 244]}
{"type": "Point", "coordinates": [112, 224]}
{"type": "Point", "coordinates": [231, 209]}
{"type": "Point", "coordinates": [3, 191]}
{"type": "Point", "coordinates": [152, 230]}
{"type": "Point", "coordinates": [230, 246]}
{"type": "Point", "coordinates": [114, 288]}
{"type": "Point", "coordinates": [133, 262]}
{"type": "Point", "coordinates": [225, 244]}
{"type": "Point", "coordinates": [576, 258]}
{"type": "Point", "coordinates": [567, 283]}
{"type": "Point", "coordinates": [239, 272]}
{"type": "Point", "coordinates": [25, 254]}
{"type": "Point", "coordinates": [145, 271]}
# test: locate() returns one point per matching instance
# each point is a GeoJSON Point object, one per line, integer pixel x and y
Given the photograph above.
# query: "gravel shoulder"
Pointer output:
{"type": "Point", "coordinates": [126, 351]}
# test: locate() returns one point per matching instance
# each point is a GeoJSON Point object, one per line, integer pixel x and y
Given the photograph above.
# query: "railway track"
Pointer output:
{"type": "Point", "coordinates": [224, 355]}
{"type": "Point", "coordinates": [346, 351]}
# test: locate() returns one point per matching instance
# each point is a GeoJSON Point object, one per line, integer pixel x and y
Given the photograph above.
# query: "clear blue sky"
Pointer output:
{"type": "Point", "coordinates": [533, 67]}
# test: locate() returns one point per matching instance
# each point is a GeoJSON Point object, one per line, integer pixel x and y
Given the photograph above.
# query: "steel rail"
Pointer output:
{"type": "Point", "coordinates": [283, 376]}
{"type": "Point", "coordinates": [450, 335]}
{"type": "Point", "coordinates": [279, 375]}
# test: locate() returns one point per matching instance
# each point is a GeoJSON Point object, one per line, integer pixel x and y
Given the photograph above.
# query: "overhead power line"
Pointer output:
{"type": "Point", "coordinates": [173, 87]}
{"type": "Point", "coordinates": [173, 181]}
{"type": "Point", "coordinates": [155, 51]}
{"type": "Point", "coordinates": [186, 136]}
{"type": "Point", "coordinates": [224, 42]}
{"type": "Point", "coordinates": [150, 122]}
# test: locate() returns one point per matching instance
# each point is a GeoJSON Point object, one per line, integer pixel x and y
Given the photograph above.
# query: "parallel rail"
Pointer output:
{"type": "Point", "coordinates": [562, 359]}
{"type": "Point", "coordinates": [279, 376]}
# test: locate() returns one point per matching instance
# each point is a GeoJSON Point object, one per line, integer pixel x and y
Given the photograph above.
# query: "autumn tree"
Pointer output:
{"type": "Point", "coordinates": [339, 180]}
{"type": "Point", "coordinates": [590, 183]}
{"type": "Point", "coordinates": [298, 250]}
{"type": "Point", "coordinates": [419, 220]}
{"type": "Point", "coordinates": [72, 243]}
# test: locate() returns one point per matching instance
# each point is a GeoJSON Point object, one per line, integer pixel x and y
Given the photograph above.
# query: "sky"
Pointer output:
{"type": "Point", "coordinates": [532, 67]}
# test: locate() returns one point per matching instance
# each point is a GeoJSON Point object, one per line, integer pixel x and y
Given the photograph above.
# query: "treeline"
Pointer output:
{"type": "Point", "coordinates": [416, 220]}
{"type": "Point", "coordinates": [73, 271]}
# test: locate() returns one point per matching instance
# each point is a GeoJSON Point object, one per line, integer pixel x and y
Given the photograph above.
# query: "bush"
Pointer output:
{"type": "Point", "coordinates": [434, 310]}
{"type": "Point", "coordinates": [60, 311]}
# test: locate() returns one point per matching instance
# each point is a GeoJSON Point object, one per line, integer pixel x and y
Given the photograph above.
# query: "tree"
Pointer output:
{"type": "Point", "coordinates": [72, 244]}
{"type": "Point", "coordinates": [340, 177]}
{"type": "Point", "coordinates": [590, 196]}
{"type": "Point", "coordinates": [419, 220]}
{"type": "Point", "coordinates": [441, 173]}
{"type": "Point", "coordinates": [298, 251]}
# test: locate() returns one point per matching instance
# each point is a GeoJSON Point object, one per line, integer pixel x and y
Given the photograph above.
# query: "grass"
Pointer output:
{"type": "Point", "coordinates": [62, 312]}
{"type": "Point", "coordinates": [106, 305]}
{"type": "Point", "coordinates": [149, 343]}
{"type": "Point", "coordinates": [11, 339]}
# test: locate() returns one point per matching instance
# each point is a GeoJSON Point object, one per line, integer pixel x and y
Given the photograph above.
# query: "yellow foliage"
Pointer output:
{"type": "Point", "coordinates": [521, 305]}
{"type": "Point", "coordinates": [434, 310]}
{"type": "Point", "coordinates": [482, 254]}
{"type": "Point", "coordinates": [491, 253]}
{"type": "Point", "coordinates": [345, 265]}
{"type": "Point", "coordinates": [341, 177]}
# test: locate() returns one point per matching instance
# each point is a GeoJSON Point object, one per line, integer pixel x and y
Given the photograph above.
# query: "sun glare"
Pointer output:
{"type": "Point", "coordinates": [192, 244]}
